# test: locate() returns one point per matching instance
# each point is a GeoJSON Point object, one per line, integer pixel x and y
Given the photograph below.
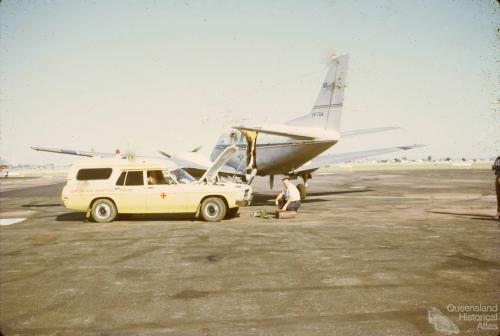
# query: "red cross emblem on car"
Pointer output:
{"type": "Point", "coordinates": [163, 195]}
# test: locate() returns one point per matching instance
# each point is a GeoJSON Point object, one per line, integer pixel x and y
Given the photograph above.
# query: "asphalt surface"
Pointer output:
{"type": "Point", "coordinates": [368, 254]}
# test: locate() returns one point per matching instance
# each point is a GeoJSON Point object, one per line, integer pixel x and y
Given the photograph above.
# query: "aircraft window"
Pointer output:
{"type": "Point", "coordinates": [229, 138]}
{"type": "Point", "coordinates": [223, 139]}
{"type": "Point", "coordinates": [121, 179]}
{"type": "Point", "coordinates": [242, 140]}
{"type": "Point", "coordinates": [156, 177]}
{"type": "Point", "coordinates": [93, 174]}
{"type": "Point", "coordinates": [234, 137]}
{"type": "Point", "coordinates": [134, 178]}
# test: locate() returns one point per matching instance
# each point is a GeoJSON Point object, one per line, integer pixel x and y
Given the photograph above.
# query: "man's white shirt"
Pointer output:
{"type": "Point", "coordinates": [292, 193]}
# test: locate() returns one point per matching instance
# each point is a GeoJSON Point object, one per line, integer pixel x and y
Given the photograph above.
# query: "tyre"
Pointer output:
{"type": "Point", "coordinates": [103, 211]}
{"type": "Point", "coordinates": [213, 209]}
{"type": "Point", "coordinates": [231, 213]}
{"type": "Point", "coordinates": [302, 190]}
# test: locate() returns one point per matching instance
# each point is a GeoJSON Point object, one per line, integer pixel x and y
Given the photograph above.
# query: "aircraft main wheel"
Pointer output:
{"type": "Point", "coordinates": [302, 190]}
{"type": "Point", "coordinates": [213, 209]}
{"type": "Point", "coordinates": [103, 211]}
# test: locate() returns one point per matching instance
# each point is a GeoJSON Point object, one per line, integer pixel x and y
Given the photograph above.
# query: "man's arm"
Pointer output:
{"type": "Point", "coordinates": [276, 201]}
{"type": "Point", "coordinates": [286, 205]}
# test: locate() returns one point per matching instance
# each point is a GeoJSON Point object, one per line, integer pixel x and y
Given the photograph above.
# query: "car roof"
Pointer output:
{"type": "Point", "coordinates": [137, 163]}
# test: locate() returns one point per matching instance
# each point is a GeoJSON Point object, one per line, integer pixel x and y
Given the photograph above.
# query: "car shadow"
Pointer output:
{"type": "Point", "coordinates": [71, 217]}
{"type": "Point", "coordinates": [267, 199]}
{"type": "Point", "coordinates": [40, 205]}
{"type": "Point", "coordinates": [80, 217]}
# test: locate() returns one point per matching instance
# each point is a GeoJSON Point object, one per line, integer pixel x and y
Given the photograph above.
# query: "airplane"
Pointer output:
{"type": "Point", "coordinates": [292, 148]}
{"type": "Point", "coordinates": [4, 168]}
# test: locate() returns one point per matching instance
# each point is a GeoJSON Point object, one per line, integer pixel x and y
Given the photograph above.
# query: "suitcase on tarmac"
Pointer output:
{"type": "Point", "coordinates": [286, 214]}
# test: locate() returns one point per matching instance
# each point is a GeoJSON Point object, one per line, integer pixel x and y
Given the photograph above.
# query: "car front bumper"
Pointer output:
{"type": "Point", "coordinates": [244, 202]}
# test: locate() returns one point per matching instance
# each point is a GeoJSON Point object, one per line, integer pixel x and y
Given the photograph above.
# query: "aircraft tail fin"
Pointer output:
{"type": "Point", "coordinates": [327, 109]}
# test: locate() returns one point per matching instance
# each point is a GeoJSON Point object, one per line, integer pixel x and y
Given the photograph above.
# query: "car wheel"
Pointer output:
{"type": "Point", "coordinates": [213, 209]}
{"type": "Point", "coordinates": [103, 211]}
{"type": "Point", "coordinates": [302, 190]}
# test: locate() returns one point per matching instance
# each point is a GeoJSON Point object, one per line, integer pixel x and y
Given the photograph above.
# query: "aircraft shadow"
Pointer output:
{"type": "Point", "coordinates": [466, 215]}
{"type": "Point", "coordinates": [266, 199]}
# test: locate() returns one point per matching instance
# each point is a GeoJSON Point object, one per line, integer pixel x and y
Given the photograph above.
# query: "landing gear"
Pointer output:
{"type": "Point", "coordinates": [302, 190]}
{"type": "Point", "coordinates": [249, 177]}
{"type": "Point", "coordinates": [303, 187]}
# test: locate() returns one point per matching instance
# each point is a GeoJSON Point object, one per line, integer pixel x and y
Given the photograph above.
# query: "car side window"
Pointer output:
{"type": "Point", "coordinates": [121, 179]}
{"type": "Point", "coordinates": [134, 178]}
{"type": "Point", "coordinates": [155, 177]}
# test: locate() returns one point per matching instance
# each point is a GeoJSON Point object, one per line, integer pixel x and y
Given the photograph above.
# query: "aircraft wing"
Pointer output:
{"type": "Point", "coordinates": [192, 166]}
{"type": "Point", "coordinates": [363, 131]}
{"type": "Point", "coordinates": [326, 160]}
{"type": "Point", "coordinates": [72, 152]}
{"type": "Point", "coordinates": [294, 132]}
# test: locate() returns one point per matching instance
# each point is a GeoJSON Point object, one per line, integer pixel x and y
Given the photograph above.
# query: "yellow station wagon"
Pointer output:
{"type": "Point", "coordinates": [105, 187]}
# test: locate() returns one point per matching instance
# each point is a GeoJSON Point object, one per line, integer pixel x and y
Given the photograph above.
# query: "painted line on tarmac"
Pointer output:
{"type": "Point", "coordinates": [10, 221]}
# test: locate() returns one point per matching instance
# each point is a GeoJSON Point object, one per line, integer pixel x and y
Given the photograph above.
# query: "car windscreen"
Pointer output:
{"type": "Point", "coordinates": [182, 176]}
{"type": "Point", "coordinates": [93, 174]}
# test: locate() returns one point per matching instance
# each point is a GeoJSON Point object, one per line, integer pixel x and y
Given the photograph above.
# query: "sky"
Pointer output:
{"type": "Point", "coordinates": [172, 75]}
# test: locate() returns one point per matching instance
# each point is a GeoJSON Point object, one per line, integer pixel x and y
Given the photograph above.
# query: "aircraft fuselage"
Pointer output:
{"type": "Point", "coordinates": [274, 155]}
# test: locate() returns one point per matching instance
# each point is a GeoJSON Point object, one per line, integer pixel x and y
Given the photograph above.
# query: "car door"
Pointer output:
{"type": "Point", "coordinates": [164, 194]}
{"type": "Point", "coordinates": [130, 192]}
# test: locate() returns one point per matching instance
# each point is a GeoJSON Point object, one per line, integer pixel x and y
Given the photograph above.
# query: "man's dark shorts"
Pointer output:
{"type": "Point", "coordinates": [293, 206]}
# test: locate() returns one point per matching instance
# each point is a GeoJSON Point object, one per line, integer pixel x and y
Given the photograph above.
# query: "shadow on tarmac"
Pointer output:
{"type": "Point", "coordinates": [466, 215]}
{"type": "Point", "coordinates": [80, 217]}
{"type": "Point", "coordinates": [40, 205]}
{"type": "Point", "coordinates": [266, 199]}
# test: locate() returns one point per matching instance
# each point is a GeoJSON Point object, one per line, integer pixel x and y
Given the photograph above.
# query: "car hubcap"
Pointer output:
{"type": "Point", "coordinates": [212, 210]}
{"type": "Point", "coordinates": [103, 210]}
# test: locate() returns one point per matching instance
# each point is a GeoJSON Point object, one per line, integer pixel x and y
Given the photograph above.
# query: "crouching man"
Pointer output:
{"type": "Point", "coordinates": [289, 199]}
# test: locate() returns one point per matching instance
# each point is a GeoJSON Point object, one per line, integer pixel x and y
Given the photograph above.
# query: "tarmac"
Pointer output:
{"type": "Point", "coordinates": [369, 253]}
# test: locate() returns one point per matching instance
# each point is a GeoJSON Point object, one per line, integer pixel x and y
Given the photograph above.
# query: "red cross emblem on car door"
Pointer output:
{"type": "Point", "coordinates": [163, 195]}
